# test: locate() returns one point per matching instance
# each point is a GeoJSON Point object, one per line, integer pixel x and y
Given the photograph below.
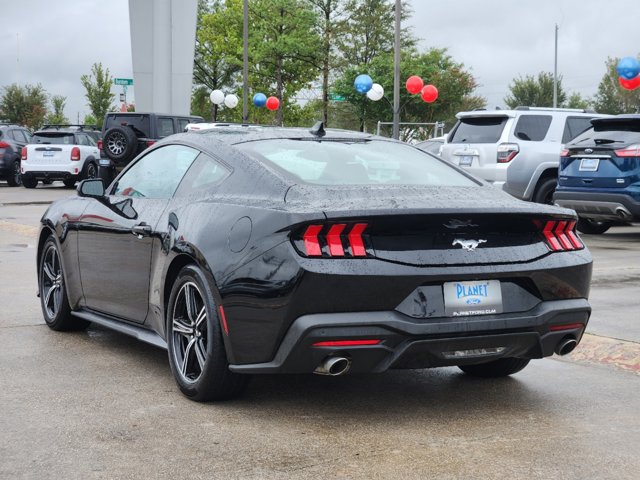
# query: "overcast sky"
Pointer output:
{"type": "Point", "coordinates": [55, 42]}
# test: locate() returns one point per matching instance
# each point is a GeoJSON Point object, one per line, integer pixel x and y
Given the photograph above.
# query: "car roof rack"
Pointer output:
{"type": "Point", "coordinates": [551, 109]}
{"type": "Point", "coordinates": [58, 126]}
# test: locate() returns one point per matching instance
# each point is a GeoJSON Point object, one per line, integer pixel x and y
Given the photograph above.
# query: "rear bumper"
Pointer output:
{"type": "Point", "coordinates": [50, 175]}
{"type": "Point", "coordinates": [422, 343]}
{"type": "Point", "coordinates": [600, 206]}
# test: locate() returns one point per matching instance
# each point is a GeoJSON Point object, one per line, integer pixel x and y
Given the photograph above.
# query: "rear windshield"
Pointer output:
{"type": "Point", "coordinates": [54, 138]}
{"type": "Point", "coordinates": [478, 130]}
{"type": "Point", "coordinates": [616, 124]}
{"type": "Point", "coordinates": [139, 123]}
{"type": "Point", "coordinates": [331, 162]}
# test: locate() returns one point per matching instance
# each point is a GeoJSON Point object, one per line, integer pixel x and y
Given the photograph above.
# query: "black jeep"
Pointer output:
{"type": "Point", "coordinates": [126, 134]}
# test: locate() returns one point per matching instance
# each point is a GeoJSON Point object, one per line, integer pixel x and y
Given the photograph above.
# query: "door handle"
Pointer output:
{"type": "Point", "coordinates": [141, 230]}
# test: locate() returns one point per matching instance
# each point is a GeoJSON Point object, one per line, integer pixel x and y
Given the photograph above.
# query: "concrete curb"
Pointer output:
{"type": "Point", "coordinates": [621, 354]}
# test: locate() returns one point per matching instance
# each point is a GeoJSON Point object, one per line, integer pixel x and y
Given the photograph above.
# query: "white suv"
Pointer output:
{"type": "Point", "coordinates": [516, 150]}
{"type": "Point", "coordinates": [59, 153]}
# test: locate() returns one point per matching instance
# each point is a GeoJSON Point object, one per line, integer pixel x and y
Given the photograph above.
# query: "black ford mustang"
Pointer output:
{"type": "Point", "coordinates": [263, 250]}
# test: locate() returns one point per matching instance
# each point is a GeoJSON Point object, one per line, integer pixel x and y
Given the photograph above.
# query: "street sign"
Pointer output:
{"type": "Point", "coordinates": [336, 98]}
{"type": "Point", "coordinates": [123, 81]}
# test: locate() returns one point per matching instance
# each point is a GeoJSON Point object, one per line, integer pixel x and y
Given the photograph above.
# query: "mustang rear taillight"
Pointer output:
{"type": "Point", "coordinates": [347, 343]}
{"type": "Point", "coordinates": [560, 235]}
{"type": "Point", "coordinates": [630, 151]}
{"type": "Point", "coordinates": [336, 240]}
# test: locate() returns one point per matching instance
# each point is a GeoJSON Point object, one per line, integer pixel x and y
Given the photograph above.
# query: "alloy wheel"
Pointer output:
{"type": "Point", "coordinates": [190, 333]}
{"type": "Point", "coordinates": [17, 177]}
{"type": "Point", "coordinates": [116, 143]}
{"type": "Point", "coordinates": [51, 282]}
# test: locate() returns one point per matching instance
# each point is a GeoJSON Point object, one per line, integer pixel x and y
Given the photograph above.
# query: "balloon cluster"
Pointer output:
{"type": "Point", "coordinates": [415, 85]}
{"type": "Point", "coordinates": [230, 101]}
{"type": "Point", "coordinates": [261, 100]}
{"type": "Point", "coordinates": [629, 72]}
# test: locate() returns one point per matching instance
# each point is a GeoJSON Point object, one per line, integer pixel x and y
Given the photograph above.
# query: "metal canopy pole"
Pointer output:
{"type": "Point", "coordinates": [245, 66]}
{"type": "Point", "coordinates": [396, 75]}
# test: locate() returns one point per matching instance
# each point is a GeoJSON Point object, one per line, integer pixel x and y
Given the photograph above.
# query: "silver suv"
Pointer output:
{"type": "Point", "coordinates": [517, 150]}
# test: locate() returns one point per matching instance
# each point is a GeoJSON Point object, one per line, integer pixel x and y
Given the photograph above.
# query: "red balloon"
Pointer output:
{"type": "Point", "coordinates": [273, 103]}
{"type": "Point", "coordinates": [414, 84]}
{"type": "Point", "coordinates": [629, 84]}
{"type": "Point", "coordinates": [429, 93]}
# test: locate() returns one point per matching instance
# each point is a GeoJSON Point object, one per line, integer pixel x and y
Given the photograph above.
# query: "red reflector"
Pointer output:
{"type": "Point", "coordinates": [568, 326]}
{"type": "Point", "coordinates": [552, 241]}
{"type": "Point", "coordinates": [150, 142]}
{"type": "Point", "coordinates": [346, 343]}
{"type": "Point", "coordinates": [571, 234]}
{"type": "Point", "coordinates": [223, 319]}
{"type": "Point", "coordinates": [355, 240]}
{"type": "Point", "coordinates": [311, 242]}
{"type": "Point", "coordinates": [560, 235]}
{"type": "Point", "coordinates": [334, 241]}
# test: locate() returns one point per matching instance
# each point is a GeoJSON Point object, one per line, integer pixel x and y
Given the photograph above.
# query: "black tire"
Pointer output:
{"type": "Point", "coordinates": [69, 182]}
{"type": "Point", "coordinates": [545, 190]}
{"type": "Point", "coordinates": [119, 144]}
{"type": "Point", "coordinates": [29, 182]}
{"type": "Point", "coordinates": [592, 227]}
{"type": "Point", "coordinates": [90, 170]}
{"type": "Point", "coordinates": [47, 181]}
{"type": "Point", "coordinates": [15, 180]}
{"type": "Point", "coordinates": [194, 338]}
{"type": "Point", "coordinates": [53, 294]}
{"type": "Point", "coordinates": [498, 368]}
{"type": "Point", "coordinates": [107, 174]}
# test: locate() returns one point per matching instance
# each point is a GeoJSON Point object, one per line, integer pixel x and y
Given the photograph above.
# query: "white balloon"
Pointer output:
{"type": "Point", "coordinates": [217, 97]}
{"type": "Point", "coordinates": [230, 100]}
{"type": "Point", "coordinates": [376, 92]}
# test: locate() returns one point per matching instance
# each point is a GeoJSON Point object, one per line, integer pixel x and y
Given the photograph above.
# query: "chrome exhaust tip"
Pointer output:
{"type": "Point", "coordinates": [566, 346]}
{"type": "Point", "coordinates": [623, 213]}
{"type": "Point", "coordinates": [333, 366]}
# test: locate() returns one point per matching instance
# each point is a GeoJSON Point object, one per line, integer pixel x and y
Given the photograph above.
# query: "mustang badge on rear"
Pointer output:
{"type": "Point", "coordinates": [470, 245]}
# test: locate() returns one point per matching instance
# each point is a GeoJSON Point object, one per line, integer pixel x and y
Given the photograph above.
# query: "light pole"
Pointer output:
{"type": "Point", "coordinates": [245, 62]}
{"type": "Point", "coordinates": [555, 72]}
{"type": "Point", "coordinates": [396, 75]}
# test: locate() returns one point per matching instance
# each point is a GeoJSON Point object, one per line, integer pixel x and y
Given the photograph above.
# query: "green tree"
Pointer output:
{"type": "Point", "coordinates": [534, 92]}
{"type": "Point", "coordinates": [218, 55]}
{"type": "Point", "coordinates": [25, 105]}
{"type": "Point", "coordinates": [56, 115]}
{"type": "Point", "coordinates": [284, 49]}
{"type": "Point", "coordinates": [89, 119]}
{"type": "Point", "coordinates": [455, 86]}
{"type": "Point", "coordinates": [578, 101]}
{"type": "Point", "coordinates": [611, 97]}
{"type": "Point", "coordinates": [98, 87]}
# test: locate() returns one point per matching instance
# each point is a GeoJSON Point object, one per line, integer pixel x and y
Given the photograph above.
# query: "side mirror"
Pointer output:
{"type": "Point", "coordinates": [92, 187]}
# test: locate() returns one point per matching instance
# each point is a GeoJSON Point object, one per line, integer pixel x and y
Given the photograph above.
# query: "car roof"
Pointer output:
{"type": "Point", "coordinates": [528, 110]}
{"type": "Point", "coordinates": [235, 134]}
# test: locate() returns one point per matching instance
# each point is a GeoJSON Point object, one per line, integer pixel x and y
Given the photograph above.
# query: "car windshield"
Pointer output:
{"type": "Point", "coordinates": [483, 129]}
{"type": "Point", "coordinates": [55, 138]}
{"type": "Point", "coordinates": [331, 162]}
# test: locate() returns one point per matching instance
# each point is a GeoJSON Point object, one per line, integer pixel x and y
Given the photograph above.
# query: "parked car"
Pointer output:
{"type": "Point", "coordinates": [432, 145]}
{"type": "Point", "coordinates": [127, 134]}
{"type": "Point", "coordinates": [59, 153]}
{"type": "Point", "coordinates": [279, 250]}
{"type": "Point", "coordinates": [12, 139]}
{"type": "Point", "coordinates": [516, 150]}
{"type": "Point", "coordinates": [600, 174]}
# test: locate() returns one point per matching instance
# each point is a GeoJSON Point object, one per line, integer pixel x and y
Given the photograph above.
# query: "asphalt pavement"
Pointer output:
{"type": "Point", "coordinates": [98, 404]}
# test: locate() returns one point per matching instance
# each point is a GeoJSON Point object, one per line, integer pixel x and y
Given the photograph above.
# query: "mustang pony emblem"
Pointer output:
{"type": "Point", "coordinates": [470, 245]}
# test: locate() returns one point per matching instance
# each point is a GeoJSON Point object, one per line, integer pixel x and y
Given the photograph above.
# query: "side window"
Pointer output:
{"type": "Point", "coordinates": [532, 128]}
{"type": "Point", "coordinates": [204, 175]}
{"type": "Point", "coordinates": [81, 139]}
{"type": "Point", "coordinates": [17, 135]}
{"type": "Point", "coordinates": [157, 174]}
{"type": "Point", "coordinates": [165, 127]}
{"type": "Point", "coordinates": [574, 127]}
{"type": "Point", "coordinates": [182, 123]}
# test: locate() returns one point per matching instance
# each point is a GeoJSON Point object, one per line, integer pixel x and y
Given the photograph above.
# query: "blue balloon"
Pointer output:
{"type": "Point", "coordinates": [259, 99]}
{"type": "Point", "coordinates": [628, 68]}
{"type": "Point", "coordinates": [363, 83]}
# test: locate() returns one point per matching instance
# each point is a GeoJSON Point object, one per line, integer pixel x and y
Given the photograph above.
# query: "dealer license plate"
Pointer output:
{"type": "Point", "coordinates": [466, 160]}
{"type": "Point", "coordinates": [482, 297]}
{"type": "Point", "coordinates": [48, 154]}
{"type": "Point", "coordinates": [589, 164]}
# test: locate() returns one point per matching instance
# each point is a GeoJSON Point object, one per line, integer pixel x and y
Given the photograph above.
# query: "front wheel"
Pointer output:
{"type": "Point", "coordinates": [53, 294]}
{"type": "Point", "coordinates": [592, 227]}
{"type": "Point", "coordinates": [498, 368]}
{"type": "Point", "coordinates": [194, 338]}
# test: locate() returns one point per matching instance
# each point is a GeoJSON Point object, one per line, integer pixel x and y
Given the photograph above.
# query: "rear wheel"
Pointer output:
{"type": "Point", "coordinates": [90, 171]}
{"type": "Point", "coordinates": [592, 227]}
{"type": "Point", "coordinates": [53, 294]}
{"type": "Point", "coordinates": [196, 350]}
{"type": "Point", "coordinates": [15, 179]}
{"type": "Point", "coordinates": [498, 368]}
{"type": "Point", "coordinates": [29, 182]}
{"type": "Point", "coordinates": [544, 192]}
